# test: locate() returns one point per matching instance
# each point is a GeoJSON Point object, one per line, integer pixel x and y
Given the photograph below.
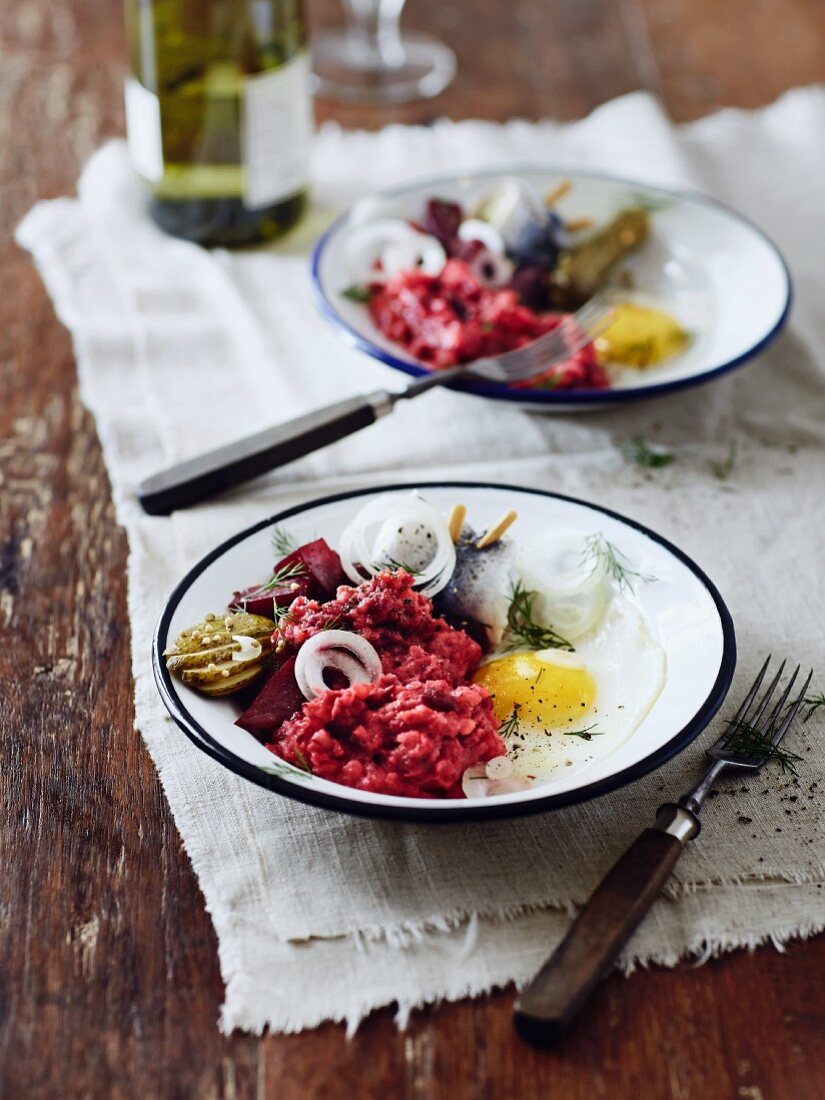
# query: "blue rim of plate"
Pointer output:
{"type": "Point", "coordinates": [475, 810]}
{"type": "Point", "coordinates": [541, 398]}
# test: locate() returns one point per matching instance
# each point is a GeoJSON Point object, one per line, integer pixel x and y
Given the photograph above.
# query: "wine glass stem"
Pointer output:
{"type": "Point", "coordinates": [373, 33]}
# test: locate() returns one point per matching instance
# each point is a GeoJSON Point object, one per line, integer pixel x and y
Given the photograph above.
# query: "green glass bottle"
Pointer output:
{"type": "Point", "coordinates": [218, 115]}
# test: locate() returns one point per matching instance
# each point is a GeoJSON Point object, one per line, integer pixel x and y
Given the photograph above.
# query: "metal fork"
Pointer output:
{"type": "Point", "coordinates": [197, 478]}
{"type": "Point", "coordinates": [617, 907]}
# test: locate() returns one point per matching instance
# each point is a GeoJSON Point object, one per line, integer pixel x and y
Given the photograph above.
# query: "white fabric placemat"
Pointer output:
{"type": "Point", "coordinates": [321, 916]}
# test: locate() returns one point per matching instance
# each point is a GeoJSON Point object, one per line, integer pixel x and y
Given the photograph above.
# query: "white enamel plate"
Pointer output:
{"type": "Point", "coordinates": [684, 612]}
{"type": "Point", "coordinates": [719, 275]}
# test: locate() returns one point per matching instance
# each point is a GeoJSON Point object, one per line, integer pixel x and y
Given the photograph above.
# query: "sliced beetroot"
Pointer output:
{"type": "Point", "coordinates": [275, 703]}
{"type": "Point", "coordinates": [322, 568]}
{"type": "Point", "coordinates": [260, 600]}
{"type": "Point", "coordinates": [442, 219]}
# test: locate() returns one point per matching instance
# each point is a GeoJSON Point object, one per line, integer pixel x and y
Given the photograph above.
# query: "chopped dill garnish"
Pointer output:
{"type": "Point", "coordinates": [332, 622]}
{"type": "Point", "coordinates": [586, 734]}
{"type": "Point", "coordinates": [522, 627]}
{"type": "Point", "coordinates": [283, 576]}
{"type": "Point", "coordinates": [747, 741]}
{"type": "Point", "coordinates": [638, 451]}
{"type": "Point", "coordinates": [281, 615]}
{"type": "Point", "coordinates": [283, 769]}
{"type": "Point", "coordinates": [398, 566]}
{"type": "Point", "coordinates": [599, 551]}
{"type": "Point", "coordinates": [550, 381]}
{"type": "Point", "coordinates": [541, 673]}
{"type": "Point", "coordinates": [641, 353]}
{"type": "Point", "coordinates": [643, 200]}
{"type": "Point", "coordinates": [813, 703]}
{"type": "Point", "coordinates": [303, 763]}
{"type": "Point", "coordinates": [356, 293]}
{"type": "Point", "coordinates": [279, 579]}
{"type": "Point", "coordinates": [722, 469]}
{"type": "Point", "coordinates": [510, 726]}
{"type": "Point", "coordinates": [283, 541]}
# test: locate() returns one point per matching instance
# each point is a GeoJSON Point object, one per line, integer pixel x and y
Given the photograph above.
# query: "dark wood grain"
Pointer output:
{"type": "Point", "coordinates": [109, 978]}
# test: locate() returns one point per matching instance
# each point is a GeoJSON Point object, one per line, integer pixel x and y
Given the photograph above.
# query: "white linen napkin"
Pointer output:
{"type": "Point", "coordinates": [321, 916]}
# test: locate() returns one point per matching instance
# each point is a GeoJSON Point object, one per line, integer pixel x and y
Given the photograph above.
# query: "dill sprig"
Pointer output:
{"type": "Point", "coordinates": [748, 741]}
{"type": "Point", "coordinates": [281, 615]}
{"type": "Point", "coordinates": [813, 703]}
{"type": "Point", "coordinates": [356, 293]}
{"type": "Point", "coordinates": [522, 627]}
{"type": "Point", "coordinates": [282, 576]}
{"type": "Point", "coordinates": [641, 353]}
{"type": "Point", "coordinates": [278, 580]}
{"type": "Point", "coordinates": [638, 451]}
{"type": "Point", "coordinates": [586, 734]}
{"type": "Point", "coordinates": [331, 622]}
{"type": "Point", "coordinates": [284, 769]}
{"type": "Point", "coordinates": [723, 468]}
{"type": "Point", "coordinates": [599, 551]}
{"type": "Point", "coordinates": [510, 726]}
{"type": "Point", "coordinates": [283, 541]}
{"type": "Point", "coordinates": [643, 200]}
{"type": "Point", "coordinates": [397, 566]}
{"type": "Point", "coordinates": [302, 761]}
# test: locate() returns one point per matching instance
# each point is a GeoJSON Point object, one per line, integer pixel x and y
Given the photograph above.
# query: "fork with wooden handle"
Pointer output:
{"type": "Point", "coordinates": [206, 474]}
{"type": "Point", "coordinates": [617, 907]}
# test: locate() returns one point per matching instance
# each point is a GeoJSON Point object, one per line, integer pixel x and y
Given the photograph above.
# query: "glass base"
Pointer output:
{"type": "Point", "coordinates": [425, 68]}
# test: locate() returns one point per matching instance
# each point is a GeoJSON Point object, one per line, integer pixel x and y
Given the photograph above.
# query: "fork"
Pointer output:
{"type": "Point", "coordinates": [618, 905]}
{"type": "Point", "coordinates": [197, 478]}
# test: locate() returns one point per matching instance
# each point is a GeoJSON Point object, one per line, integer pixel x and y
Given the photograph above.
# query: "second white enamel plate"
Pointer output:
{"type": "Point", "coordinates": [719, 275]}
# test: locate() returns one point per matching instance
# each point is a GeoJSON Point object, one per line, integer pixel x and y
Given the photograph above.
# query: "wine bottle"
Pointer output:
{"type": "Point", "coordinates": [218, 115]}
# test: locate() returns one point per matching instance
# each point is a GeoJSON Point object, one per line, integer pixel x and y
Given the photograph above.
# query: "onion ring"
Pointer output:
{"type": "Point", "coordinates": [474, 229]}
{"type": "Point", "coordinates": [572, 593]}
{"type": "Point", "coordinates": [347, 653]}
{"type": "Point", "coordinates": [477, 783]}
{"type": "Point", "coordinates": [365, 547]}
{"type": "Point", "coordinates": [395, 244]}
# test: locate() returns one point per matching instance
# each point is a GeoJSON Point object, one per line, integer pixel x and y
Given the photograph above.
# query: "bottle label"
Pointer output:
{"type": "Point", "coordinates": [143, 132]}
{"type": "Point", "coordinates": [277, 129]}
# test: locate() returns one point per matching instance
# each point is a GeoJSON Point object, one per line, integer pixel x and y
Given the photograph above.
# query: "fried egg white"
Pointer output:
{"type": "Point", "coordinates": [571, 708]}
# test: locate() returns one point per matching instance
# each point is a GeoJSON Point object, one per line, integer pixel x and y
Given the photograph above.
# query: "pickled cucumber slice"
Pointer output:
{"type": "Point", "coordinates": [208, 657]}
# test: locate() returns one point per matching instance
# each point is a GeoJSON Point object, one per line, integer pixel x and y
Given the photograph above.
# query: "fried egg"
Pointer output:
{"type": "Point", "coordinates": [560, 710]}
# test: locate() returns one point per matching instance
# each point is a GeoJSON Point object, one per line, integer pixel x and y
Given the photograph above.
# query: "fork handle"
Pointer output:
{"type": "Point", "coordinates": [610, 917]}
{"type": "Point", "coordinates": [197, 478]}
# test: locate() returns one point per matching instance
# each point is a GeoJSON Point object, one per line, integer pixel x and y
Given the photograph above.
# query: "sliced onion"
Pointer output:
{"type": "Point", "coordinates": [419, 253]}
{"type": "Point", "coordinates": [347, 653]}
{"type": "Point", "coordinates": [476, 782]}
{"type": "Point", "coordinates": [500, 767]}
{"type": "Point", "coordinates": [572, 592]}
{"type": "Point", "coordinates": [490, 269]}
{"type": "Point", "coordinates": [474, 229]}
{"type": "Point", "coordinates": [366, 544]}
{"type": "Point", "coordinates": [394, 243]}
{"type": "Point", "coordinates": [250, 648]}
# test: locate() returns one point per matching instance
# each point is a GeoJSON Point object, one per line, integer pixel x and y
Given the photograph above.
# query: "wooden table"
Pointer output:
{"type": "Point", "coordinates": [110, 979]}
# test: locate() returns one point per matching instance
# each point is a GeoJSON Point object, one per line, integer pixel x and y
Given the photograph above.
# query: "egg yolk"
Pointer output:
{"type": "Point", "coordinates": [548, 688]}
{"type": "Point", "coordinates": [639, 336]}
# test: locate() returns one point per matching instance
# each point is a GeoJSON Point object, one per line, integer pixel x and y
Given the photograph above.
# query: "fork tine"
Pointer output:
{"type": "Point", "coordinates": [575, 331]}
{"type": "Point", "coordinates": [753, 720]}
{"type": "Point", "coordinates": [749, 698]}
{"type": "Point", "coordinates": [769, 722]}
{"type": "Point", "coordinates": [793, 711]}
